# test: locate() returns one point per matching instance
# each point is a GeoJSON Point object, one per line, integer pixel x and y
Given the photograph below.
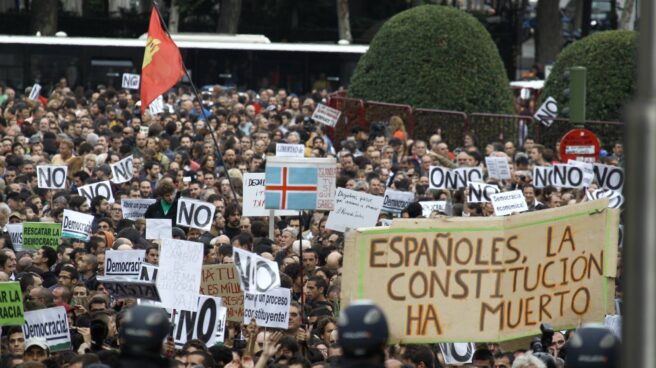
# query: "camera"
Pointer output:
{"type": "Point", "coordinates": [541, 344]}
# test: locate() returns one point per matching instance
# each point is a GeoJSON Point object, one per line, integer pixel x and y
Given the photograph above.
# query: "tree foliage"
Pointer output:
{"type": "Point", "coordinates": [610, 59]}
{"type": "Point", "coordinates": [434, 57]}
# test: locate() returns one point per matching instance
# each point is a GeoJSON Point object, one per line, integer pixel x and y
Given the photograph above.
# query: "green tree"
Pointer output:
{"type": "Point", "coordinates": [610, 59]}
{"type": "Point", "coordinates": [434, 57]}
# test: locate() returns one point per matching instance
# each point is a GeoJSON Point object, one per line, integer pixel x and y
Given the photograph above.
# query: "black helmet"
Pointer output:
{"type": "Point", "coordinates": [361, 329]}
{"type": "Point", "coordinates": [142, 329]}
{"type": "Point", "coordinates": [593, 346]}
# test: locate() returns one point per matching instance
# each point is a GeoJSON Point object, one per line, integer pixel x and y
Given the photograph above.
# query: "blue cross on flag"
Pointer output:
{"type": "Point", "coordinates": [300, 183]}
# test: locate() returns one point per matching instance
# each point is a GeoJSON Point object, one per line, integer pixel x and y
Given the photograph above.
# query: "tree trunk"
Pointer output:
{"type": "Point", "coordinates": [548, 33]}
{"type": "Point", "coordinates": [627, 15]}
{"type": "Point", "coordinates": [44, 17]}
{"type": "Point", "coordinates": [343, 21]}
{"type": "Point", "coordinates": [229, 16]}
{"type": "Point", "coordinates": [174, 17]}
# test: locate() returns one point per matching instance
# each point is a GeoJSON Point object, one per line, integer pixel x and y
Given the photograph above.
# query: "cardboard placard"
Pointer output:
{"type": "Point", "coordinates": [35, 92]}
{"type": "Point", "coordinates": [354, 209]}
{"type": "Point", "coordinates": [38, 234]}
{"type": "Point", "coordinates": [134, 209]}
{"type": "Point", "coordinates": [101, 188]}
{"type": "Point", "coordinates": [159, 229]}
{"type": "Point", "coordinates": [326, 115]}
{"type": "Point", "coordinates": [568, 176]}
{"type": "Point", "coordinates": [124, 287]}
{"type": "Point", "coordinates": [50, 324]}
{"type": "Point", "coordinates": [300, 183]}
{"type": "Point", "coordinates": [507, 203]}
{"type": "Point", "coordinates": [270, 309]}
{"type": "Point", "coordinates": [76, 225]}
{"type": "Point", "coordinates": [485, 279]}
{"type": "Point", "coordinates": [615, 199]}
{"type": "Point", "coordinates": [497, 167]}
{"type": "Point", "coordinates": [395, 201]}
{"type": "Point", "coordinates": [547, 112]}
{"type": "Point", "coordinates": [157, 106]}
{"type": "Point", "coordinates": [443, 178]}
{"type": "Point", "coordinates": [125, 263]}
{"type": "Point", "coordinates": [148, 272]}
{"type": "Point", "coordinates": [51, 176]}
{"type": "Point", "coordinates": [290, 150]}
{"type": "Point", "coordinates": [122, 171]}
{"type": "Point", "coordinates": [609, 177]}
{"type": "Point", "coordinates": [542, 176]}
{"type": "Point", "coordinates": [481, 192]}
{"type": "Point", "coordinates": [588, 171]}
{"type": "Point", "coordinates": [195, 213]}
{"type": "Point", "coordinates": [253, 189]}
{"type": "Point", "coordinates": [16, 233]}
{"type": "Point", "coordinates": [223, 280]}
{"type": "Point", "coordinates": [458, 353]}
{"type": "Point", "coordinates": [256, 274]}
{"type": "Point", "coordinates": [11, 304]}
{"type": "Point", "coordinates": [130, 81]}
{"type": "Point", "coordinates": [178, 279]}
{"type": "Point", "coordinates": [429, 206]}
{"type": "Point", "coordinates": [206, 324]}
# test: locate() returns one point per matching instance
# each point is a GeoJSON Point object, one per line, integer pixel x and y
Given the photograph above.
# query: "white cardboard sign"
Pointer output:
{"type": "Point", "coordinates": [253, 189]}
{"type": "Point", "coordinates": [588, 171]}
{"type": "Point", "coordinates": [354, 210]}
{"type": "Point", "coordinates": [179, 276]}
{"type": "Point", "coordinates": [101, 188]}
{"type": "Point", "coordinates": [76, 225]}
{"type": "Point", "coordinates": [542, 176]}
{"type": "Point", "coordinates": [507, 203]}
{"type": "Point", "coordinates": [207, 323]}
{"type": "Point", "coordinates": [429, 206]}
{"type": "Point", "coordinates": [122, 170]}
{"type": "Point", "coordinates": [157, 106]}
{"type": "Point", "coordinates": [458, 353]}
{"type": "Point", "coordinates": [256, 274]}
{"type": "Point", "coordinates": [609, 177]}
{"type": "Point", "coordinates": [290, 150]}
{"type": "Point", "coordinates": [159, 229]}
{"type": "Point", "coordinates": [148, 272]}
{"type": "Point", "coordinates": [130, 81]}
{"type": "Point", "coordinates": [395, 201]}
{"type": "Point", "coordinates": [134, 209]}
{"type": "Point", "coordinates": [270, 309]}
{"type": "Point", "coordinates": [497, 167]}
{"type": "Point", "coordinates": [481, 192]}
{"type": "Point", "coordinates": [326, 115]}
{"type": "Point", "coordinates": [568, 176]}
{"type": "Point", "coordinates": [51, 176]}
{"type": "Point", "coordinates": [547, 112]}
{"type": "Point", "coordinates": [50, 324]}
{"type": "Point", "coordinates": [34, 93]}
{"type": "Point", "coordinates": [16, 233]}
{"type": "Point", "coordinates": [195, 213]}
{"type": "Point", "coordinates": [443, 178]}
{"type": "Point", "coordinates": [125, 263]}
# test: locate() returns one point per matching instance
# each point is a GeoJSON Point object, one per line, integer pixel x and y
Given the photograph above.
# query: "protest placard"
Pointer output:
{"type": "Point", "coordinates": [159, 229]}
{"type": "Point", "coordinates": [481, 192]}
{"type": "Point", "coordinates": [195, 213]}
{"type": "Point", "coordinates": [156, 107]}
{"type": "Point", "coordinates": [290, 150]}
{"type": "Point", "coordinates": [148, 272]}
{"type": "Point", "coordinates": [206, 324]}
{"type": "Point", "coordinates": [223, 280]}
{"type": "Point", "coordinates": [125, 287]}
{"type": "Point", "coordinates": [256, 274]}
{"type": "Point", "coordinates": [122, 170]}
{"type": "Point", "coordinates": [35, 92]}
{"type": "Point", "coordinates": [270, 308]}
{"type": "Point", "coordinates": [134, 209]}
{"type": "Point", "coordinates": [458, 353]}
{"type": "Point", "coordinates": [38, 234]}
{"type": "Point", "coordinates": [101, 188]}
{"type": "Point", "coordinates": [507, 203]}
{"type": "Point", "coordinates": [16, 234]}
{"type": "Point", "coordinates": [11, 304]}
{"type": "Point", "coordinates": [497, 167]}
{"type": "Point", "coordinates": [353, 210]}
{"type": "Point", "coordinates": [395, 201]}
{"type": "Point", "coordinates": [486, 279]}
{"type": "Point", "coordinates": [76, 225]}
{"type": "Point", "coordinates": [300, 183]}
{"type": "Point", "coordinates": [568, 176]}
{"type": "Point", "coordinates": [253, 189]}
{"type": "Point", "coordinates": [444, 178]}
{"type": "Point", "coordinates": [588, 171]}
{"type": "Point", "coordinates": [51, 176]}
{"type": "Point", "coordinates": [124, 262]}
{"type": "Point", "coordinates": [609, 177]}
{"type": "Point", "coordinates": [50, 324]}
{"type": "Point", "coordinates": [615, 199]}
{"type": "Point", "coordinates": [548, 112]}
{"type": "Point", "coordinates": [542, 176]}
{"type": "Point", "coordinates": [428, 207]}
{"type": "Point", "coordinates": [178, 279]}
{"type": "Point", "coordinates": [326, 115]}
{"type": "Point", "coordinates": [130, 81]}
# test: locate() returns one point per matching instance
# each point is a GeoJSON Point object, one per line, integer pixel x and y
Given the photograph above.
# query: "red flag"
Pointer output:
{"type": "Point", "coordinates": [162, 64]}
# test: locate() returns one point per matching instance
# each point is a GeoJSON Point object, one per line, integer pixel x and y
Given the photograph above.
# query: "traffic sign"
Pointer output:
{"type": "Point", "coordinates": [580, 145]}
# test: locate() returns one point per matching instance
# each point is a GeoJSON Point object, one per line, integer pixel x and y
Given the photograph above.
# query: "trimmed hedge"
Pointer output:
{"type": "Point", "coordinates": [610, 59]}
{"type": "Point", "coordinates": [434, 57]}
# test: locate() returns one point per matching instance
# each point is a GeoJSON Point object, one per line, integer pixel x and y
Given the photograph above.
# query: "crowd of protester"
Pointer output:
{"type": "Point", "coordinates": [175, 156]}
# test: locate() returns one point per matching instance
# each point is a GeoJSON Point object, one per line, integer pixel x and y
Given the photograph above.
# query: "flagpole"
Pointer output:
{"type": "Point", "coordinates": [200, 101]}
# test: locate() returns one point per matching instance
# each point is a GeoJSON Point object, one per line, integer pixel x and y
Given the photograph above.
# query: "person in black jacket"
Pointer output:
{"type": "Point", "coordinates": [166, 206]}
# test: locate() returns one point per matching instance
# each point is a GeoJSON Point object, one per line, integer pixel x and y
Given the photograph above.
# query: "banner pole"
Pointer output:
{"type": "Point", "coordinates": [272, 219]}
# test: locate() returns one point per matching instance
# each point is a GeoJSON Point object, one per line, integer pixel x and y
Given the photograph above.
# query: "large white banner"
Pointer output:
{"type": "Point", "coordinates": [179, 276]}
